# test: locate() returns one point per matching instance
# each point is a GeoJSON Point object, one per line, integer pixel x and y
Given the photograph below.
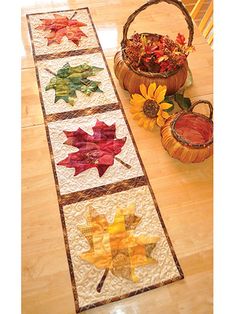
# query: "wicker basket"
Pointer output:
{"type": "Point", "coordinates": [188, 136]}
{"type": "Point", "coordinates": [131, 78]}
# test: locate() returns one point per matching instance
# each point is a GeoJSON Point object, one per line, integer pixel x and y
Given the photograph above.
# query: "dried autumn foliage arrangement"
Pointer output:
{"type": "Point", "coordinates": [156, 53]}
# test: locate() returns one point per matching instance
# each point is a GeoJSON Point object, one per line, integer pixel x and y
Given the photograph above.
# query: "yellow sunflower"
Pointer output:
{"type": "Point", "coordinates": [149, 108]}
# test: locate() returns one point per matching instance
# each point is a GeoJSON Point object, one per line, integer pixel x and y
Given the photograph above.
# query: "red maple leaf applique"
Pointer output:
{"type": "Point", "coordinates": [62, 26]}
{"type": "Point", "coordinates": [95, 151]}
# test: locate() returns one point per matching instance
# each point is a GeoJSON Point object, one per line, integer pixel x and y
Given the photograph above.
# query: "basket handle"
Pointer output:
{"type": "Point", "coordinates": [176, 3]}
{"type": "Point", "coordinates": [203, 102]}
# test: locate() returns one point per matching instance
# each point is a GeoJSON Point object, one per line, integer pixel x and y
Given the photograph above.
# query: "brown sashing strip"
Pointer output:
{"type": "Point", "coordinates": [103, 190]}
{"type": "Point", "coordinates": [81, 112]}
{"type": "Point", "coordinates": [68, 54]}
{"type": "Point", "coordinates": [60, 198]}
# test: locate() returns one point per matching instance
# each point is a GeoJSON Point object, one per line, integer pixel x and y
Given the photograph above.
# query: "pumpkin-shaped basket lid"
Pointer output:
{"type": "Point", "coordinates": [193, 129]}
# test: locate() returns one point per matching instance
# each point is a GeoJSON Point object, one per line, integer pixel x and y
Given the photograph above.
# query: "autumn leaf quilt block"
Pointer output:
{"type": "Point", "coordinates": [70, 79]}
{"type": "Point", "coordinates": [118, 246]}
{"type": "Point", "coordinates": [60, 26]}
{"type": "Point", "coordinates": [114, 247]}
{"type": "Point", "coordinates": [63, 31]}
{"type": "Point", "coordinates": [77, 82]}
{"type": "Point", "coordinates": [92, 151]}
{"type": "Point", "coordinates": [98, 150]}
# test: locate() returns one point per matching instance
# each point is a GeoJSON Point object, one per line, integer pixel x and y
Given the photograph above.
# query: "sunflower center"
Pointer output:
{"type": "Point", "coordinates": [150, 108]}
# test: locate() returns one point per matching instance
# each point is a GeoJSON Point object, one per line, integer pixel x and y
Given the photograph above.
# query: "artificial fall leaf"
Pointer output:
{"type": "Point", "coordinates": [168, 99]}
{"type": "Point", "coordinates": [95, 151]}
{"type": "Point", "coordinates": [162, 58]}
{"type": "Point", "coordinates": [180, 39]}
{"type": "Point", "coordinates": [61, 26]}
{"type": "Point", "coordinates": [183, 102]}
{"type": "Point", "coordinates": [70, 79]}
{"type": "Point", "coordinates": [114, 247]}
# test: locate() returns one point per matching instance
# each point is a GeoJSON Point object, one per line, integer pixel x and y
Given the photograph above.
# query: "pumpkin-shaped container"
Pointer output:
{"type": "Point", "coordinates": [130, 78]}
{"type": "Point", "coordinates": [188, 136]}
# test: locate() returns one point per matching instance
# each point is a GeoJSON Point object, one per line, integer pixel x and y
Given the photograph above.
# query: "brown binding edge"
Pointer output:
{"type": "Point", "coordinates": [71, 271]}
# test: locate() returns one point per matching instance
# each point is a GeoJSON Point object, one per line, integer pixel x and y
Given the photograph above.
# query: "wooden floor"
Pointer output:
{"type": "Point", "coordinates": [183, 192]}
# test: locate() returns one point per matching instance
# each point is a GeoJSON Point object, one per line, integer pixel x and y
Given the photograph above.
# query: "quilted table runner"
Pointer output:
{"type": "Point", "coordinates": [116, 242]}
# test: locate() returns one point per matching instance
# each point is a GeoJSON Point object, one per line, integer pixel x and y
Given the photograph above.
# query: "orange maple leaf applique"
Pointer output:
{"type": "Point", "coordinates": [114, 247]}
{"type": "Point", "coordinates": [62, 26]}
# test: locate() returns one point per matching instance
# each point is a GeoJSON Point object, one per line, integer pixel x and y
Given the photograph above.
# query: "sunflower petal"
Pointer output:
{"type": "Point", "coordinates": [160, 93]}
{"type": "Point", "coordinates": [141, 121]}
{"type": "Point", "coordinates": [160, 121]}
{"type": "Point", "coordinates": [143, 91]}
{"type": "Point", "coordinates": [151, 90]}
{"type": "Point", "coordinates": [138, 98]}
{"type": "Point", "coordinates": [165, 114]}
{"type": "Point", "coordinates": [132, 102]}
{"type": "Point", "coordinates": [146, 124]}
{"type": "Point", "coordinates": [165, 105]}
{"type": "Point", "coordinates": [152, 124]}
{"type": "Point", "coordinates": [138, 115]}
{"type": "Point", "coordinates": [135, 104]}
{"type": "Point", "coordinates": [135, 109]}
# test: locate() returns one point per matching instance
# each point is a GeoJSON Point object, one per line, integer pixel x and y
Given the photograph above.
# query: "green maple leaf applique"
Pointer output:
{"type": "Point", "coordinates": [69, 79]}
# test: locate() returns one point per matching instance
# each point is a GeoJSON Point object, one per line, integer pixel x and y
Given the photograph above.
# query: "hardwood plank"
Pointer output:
{"type": "Point", "coordinates": [31, 108]}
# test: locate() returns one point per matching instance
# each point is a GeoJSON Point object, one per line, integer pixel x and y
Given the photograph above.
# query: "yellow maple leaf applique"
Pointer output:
{"type": "Point", "coordinates": [114, 247]}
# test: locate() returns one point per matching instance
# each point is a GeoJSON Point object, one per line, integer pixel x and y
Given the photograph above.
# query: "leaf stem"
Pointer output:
{"type": "Point", "coordinates": [100, 285]}
{"type": "Point", "coordinates": [49, 71]}
{"type": "Point", "coordinates": [122, 162]}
